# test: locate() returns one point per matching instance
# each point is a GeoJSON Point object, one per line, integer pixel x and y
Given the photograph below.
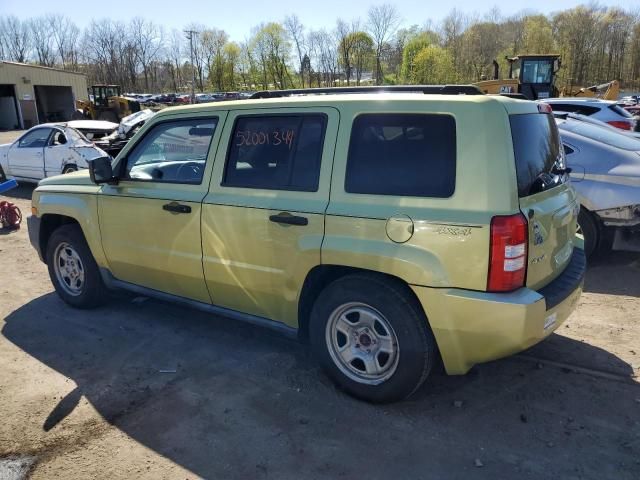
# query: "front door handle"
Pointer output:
{"type": "Point", "coordinates": [287, 218]}
{"type": "Point", "coordinates": [176, 207]}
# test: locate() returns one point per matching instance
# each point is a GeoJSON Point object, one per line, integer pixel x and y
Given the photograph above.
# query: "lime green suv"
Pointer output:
{"type": "Point", "coordinates": [390, 228]}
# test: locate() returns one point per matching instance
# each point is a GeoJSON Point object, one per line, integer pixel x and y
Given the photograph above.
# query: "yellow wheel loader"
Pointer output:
{"type": "Point", "coordinates": [105, 103]}
{"type": "Point", "coordinates": [529, 75]}
{"type": "Point", "coordinates": [533, 76]}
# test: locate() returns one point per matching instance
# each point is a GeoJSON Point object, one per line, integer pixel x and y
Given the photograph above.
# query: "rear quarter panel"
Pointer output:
{"type": "Point", "coordinates": [450, 242]}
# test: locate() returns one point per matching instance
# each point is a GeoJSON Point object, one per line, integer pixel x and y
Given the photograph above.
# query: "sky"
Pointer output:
{"type": "Point", "coordinates": [238, 17]}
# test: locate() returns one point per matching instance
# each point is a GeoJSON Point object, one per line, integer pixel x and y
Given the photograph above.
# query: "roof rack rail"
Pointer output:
{"type": "Point", "coordinates": [518, 96]}
{"type": "Point", "coordinates": [426, 89]}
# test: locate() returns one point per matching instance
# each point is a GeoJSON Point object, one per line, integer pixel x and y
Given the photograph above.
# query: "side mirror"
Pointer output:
{"type": "Point", "coordinates": [62, 139]}
{"type": "Point", "coordinates": [100, 171]}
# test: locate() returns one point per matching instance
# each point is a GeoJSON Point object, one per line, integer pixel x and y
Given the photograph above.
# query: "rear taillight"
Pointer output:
{"type": "Point", "coordinates": [508, 261]}
{"type": "Point", "coordinates": [622, 124]}
{"type": "Point", "coordinates": [544, 108]}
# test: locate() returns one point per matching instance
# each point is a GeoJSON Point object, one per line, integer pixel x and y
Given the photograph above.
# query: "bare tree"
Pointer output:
{"type": "Point", "coordinates": [383, 21]}
{"type": "Point", "coordinates": [147, 39]}
{"type": "Point", "coordinates": [213, 42]}
{"type": "Point", "coordinates": [16, 38]}
{"type": "Point", "coordinates": [42, 41]}
{"type": "Point", "coordinates": [176, 55]}
{"type": "Point", "coordinates": [346, 42]}
{"type": "Point", "coordinates": [65, 36]}
{"type": "Point", "coordinates": [296, 31]}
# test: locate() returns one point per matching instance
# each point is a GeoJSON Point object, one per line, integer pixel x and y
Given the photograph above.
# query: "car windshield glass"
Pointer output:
{"type": "Point", "coordinates": [536, 147]}
{"type": "Point", "coordinates": [602, 134]}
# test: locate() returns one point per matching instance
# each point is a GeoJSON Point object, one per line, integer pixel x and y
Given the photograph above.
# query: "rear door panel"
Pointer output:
{"type": "Point", "coordinates": [552, 219]}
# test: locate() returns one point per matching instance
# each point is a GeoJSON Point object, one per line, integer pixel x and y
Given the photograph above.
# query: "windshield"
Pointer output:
{"type": "Point", "coordinates": [536, 147]}
{"type": "Point", "coordinates": [536, 71]}
{"type": "Point", "coordinates": [602, 134]}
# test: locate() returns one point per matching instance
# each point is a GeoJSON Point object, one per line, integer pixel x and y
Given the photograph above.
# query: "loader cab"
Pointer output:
{"type": "Point", "coordinates": [535, 74]}
{"type": "Point", "coordinates": [102, 93]}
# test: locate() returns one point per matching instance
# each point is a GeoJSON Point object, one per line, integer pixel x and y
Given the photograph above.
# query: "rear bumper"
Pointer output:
{"type": "Point", "coordinates": [474, 327]}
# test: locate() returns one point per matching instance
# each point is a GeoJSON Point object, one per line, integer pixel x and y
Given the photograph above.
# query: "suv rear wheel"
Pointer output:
{"type": "Point", "coordinates": [72, 268]}
{"type": "Point", "coordinates": [372, 338]}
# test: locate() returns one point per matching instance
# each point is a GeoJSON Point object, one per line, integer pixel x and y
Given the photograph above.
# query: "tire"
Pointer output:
{"type": "Point", "coordinates": [78, 115]}
{"type": "Point", "coordinates": [69, 169]}
{"type": "Point", "coordinates": [109, 116]}
{"type": "Point", "coordinates": [72, 268]}
{"type": "Point", "coordinates": [597, 238]}
{"type": "Point", "coordinates": [363, 313]}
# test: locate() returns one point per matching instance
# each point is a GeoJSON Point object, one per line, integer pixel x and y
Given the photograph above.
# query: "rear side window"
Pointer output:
{"type": "Point", "coordinates": [573, 108]}
{"type": "Point", "coordinates": [620, 111]}
{"type": "Point", "coordinates": [537, 150]}
{"type": "Point", "coordinates": [280, 152]}
{"type": "Point", "coordinates": [402, 154]}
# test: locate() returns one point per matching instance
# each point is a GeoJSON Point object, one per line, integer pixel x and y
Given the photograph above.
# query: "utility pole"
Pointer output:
{"type": "Point", "coordinates": [190, 34]}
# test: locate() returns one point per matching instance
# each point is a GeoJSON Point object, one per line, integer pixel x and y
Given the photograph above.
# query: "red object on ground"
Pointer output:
{"type": "Point", "coordinates": [10, 216]}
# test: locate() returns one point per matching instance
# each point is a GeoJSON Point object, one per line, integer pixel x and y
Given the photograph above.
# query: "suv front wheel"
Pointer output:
{"type": "Point", "coordinates": [72, 268]}
{"type": "Point", "coordinates": [372, 338]}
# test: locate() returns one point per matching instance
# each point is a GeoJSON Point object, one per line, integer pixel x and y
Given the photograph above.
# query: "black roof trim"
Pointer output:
{"type": "Point", "coordinates": [426, 89]}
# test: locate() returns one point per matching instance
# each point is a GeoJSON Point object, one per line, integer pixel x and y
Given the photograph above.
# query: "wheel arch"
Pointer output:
{"type": "Point", "coordinates": [50, 222]}
{"type": "Point", "coordinates": [321, 276]}
{"type": "Point", "coordinates": [56, 209]}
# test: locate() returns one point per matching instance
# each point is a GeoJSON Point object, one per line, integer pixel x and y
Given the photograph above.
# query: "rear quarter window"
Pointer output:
{"type": "Point", "coordinates": [402, 154]}
{"type": "Point", "coordinates": [620, 111]}
{"type": "Point", "coordinates": [573, 108]}
{"type": "Point", "coordinates": [536, 148]}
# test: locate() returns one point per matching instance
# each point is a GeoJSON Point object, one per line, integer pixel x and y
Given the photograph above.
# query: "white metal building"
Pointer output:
{"type": "Point", "coordinates": [30, 94]}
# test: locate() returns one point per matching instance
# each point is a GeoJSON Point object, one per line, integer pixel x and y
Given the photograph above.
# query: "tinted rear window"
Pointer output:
{"type": "Point", "coordinates": [536, 146]}
{"type": "Point", "coordinates": [402, 154]}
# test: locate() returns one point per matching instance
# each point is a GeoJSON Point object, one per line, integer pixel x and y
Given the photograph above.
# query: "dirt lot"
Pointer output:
{"type": "Point", "coordinates": [142, 389]}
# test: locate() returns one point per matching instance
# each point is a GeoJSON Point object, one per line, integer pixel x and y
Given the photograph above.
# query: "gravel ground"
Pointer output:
{"type": "Point", "coordinates": [143, 389]}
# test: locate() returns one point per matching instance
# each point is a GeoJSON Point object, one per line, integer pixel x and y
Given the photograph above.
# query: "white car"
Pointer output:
{"type": "Point", "coordinates": [47, 150]}
{"type": "Point", "coordinates": [604, 110]}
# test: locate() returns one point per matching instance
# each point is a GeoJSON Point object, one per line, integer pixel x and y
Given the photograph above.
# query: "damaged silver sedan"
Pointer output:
{"type": "Point", "coordinates": [47, 150]}
{"type": "Point", "coordinates": [605, 172]}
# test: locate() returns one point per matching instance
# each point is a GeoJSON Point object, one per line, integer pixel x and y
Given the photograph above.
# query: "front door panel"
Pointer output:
{"type": "Point", "coordinates": [150, 222]}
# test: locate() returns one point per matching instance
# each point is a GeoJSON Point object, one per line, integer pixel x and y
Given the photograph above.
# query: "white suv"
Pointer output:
{"type": "Point", "coordinates": [603, 110]}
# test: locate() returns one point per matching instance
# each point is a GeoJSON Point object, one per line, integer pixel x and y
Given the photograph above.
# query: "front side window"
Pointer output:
{"type": "Point", "coordinates": [35, 139]}
{"type": "Point", "coordinates": [277, 152]}
{"type": "Point", "coordinates": [402, 154]}
{"type": "Point", "coordinates": [173, 152]}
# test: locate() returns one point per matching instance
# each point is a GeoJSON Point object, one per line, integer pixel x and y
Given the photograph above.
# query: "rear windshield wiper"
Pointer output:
{"type": "Point", "coordinates": [561, 171]}
{"type": "Point", "coordinates": [544, 181]}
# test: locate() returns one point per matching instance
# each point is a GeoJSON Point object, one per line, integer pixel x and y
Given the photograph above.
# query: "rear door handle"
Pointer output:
{"type": "Point", "coordinates": [176, 207]}
{"type": "Point", "coordinates": [287, 218]}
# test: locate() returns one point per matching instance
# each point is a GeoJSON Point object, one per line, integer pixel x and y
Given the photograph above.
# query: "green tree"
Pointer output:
{"type": "Point", "coordinates": [538, 35]}
{"type": "Point", "coordinates": [432, 65]}
{"type": "Point", "coordinates": [414, 45]}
